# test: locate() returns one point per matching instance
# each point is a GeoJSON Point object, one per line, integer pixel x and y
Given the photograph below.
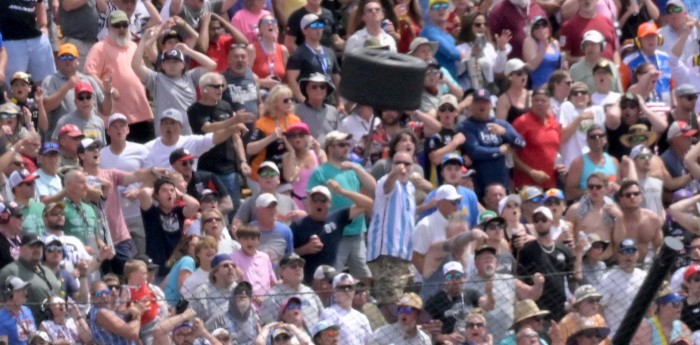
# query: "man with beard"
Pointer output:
{"type": "Point", "coordinates": [507, 288]}
{"type": "Point", "coordinates": [410, 314]}
{"type": "Point", "coordinates": [318, 235]}
{"type": "Point", "coordinates": [110, 59]}
{"type": "Point", "coordinates": [242, 86]}
{"type": "Point", "coordinates": [210, 298]}
{"type": "Point", "coordinates": [240, 317]}
{"type": "Point", "coordinates": [164, 217]}
{"type": "Point", "coordinates": [551, 259]}
{"type": "Point", "coordinates": [641, 224]}
{"type": "Point", "coordinates": [291, 270]}
{"type": "Point", "coordinates": [43, 283]}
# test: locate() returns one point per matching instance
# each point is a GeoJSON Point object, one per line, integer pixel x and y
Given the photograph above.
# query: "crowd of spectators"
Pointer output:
{"type": "Point", "coordinates": [187, 172]}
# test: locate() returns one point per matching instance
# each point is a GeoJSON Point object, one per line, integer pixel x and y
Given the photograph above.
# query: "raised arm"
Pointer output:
{"type": "Point", "coordinates": [361, 202]}
{"type": "Point", "coordinates": [149, 38]}
{"type": "Point", "coordinates": [683, 212]}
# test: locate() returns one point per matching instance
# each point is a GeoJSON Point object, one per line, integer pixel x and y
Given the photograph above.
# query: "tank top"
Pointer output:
{"type": "Point", "coordinates": [515, 112]}
{"type": "Point", "coordinates": [67, 331]}
{"type": "Point", "coordinates": [549, 64]}
{"type": "Point", "coordinates": [266, 65]}
{"type": "Point", "coordinates": [608, 168]}
{"type": "Point", "coordinates": [144, 292]}
{"type": "Point", "coordinates": [102, 336]}
{"type": "Point", "coordinates": [299, 187]}
{"type": "Point", "coordinates": [656, 338]}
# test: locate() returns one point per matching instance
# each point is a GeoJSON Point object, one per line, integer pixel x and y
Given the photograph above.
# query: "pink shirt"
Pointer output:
{"type": "Point", "coordinates": [257, 270]}
{"type": "Point", "coordinates": [105, 58]}
{"type": "Point", "coordinates": [247, 23]}
{"type": "Point", "coordinates": [113, 209]}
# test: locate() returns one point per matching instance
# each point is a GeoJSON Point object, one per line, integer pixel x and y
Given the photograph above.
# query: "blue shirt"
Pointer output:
{"type": "Point", "coordinates": [447, 55]}
{"type": "Point", "coordinates": [468, 208]}
{"type": "Point", "coordinates": [18, 329]}
{"type": "Point", "coordinates": [277, 240]}
{"type": "Point", "coordinates": [662, 63]}
{"type": "Point", "coordinates": [172, 292]}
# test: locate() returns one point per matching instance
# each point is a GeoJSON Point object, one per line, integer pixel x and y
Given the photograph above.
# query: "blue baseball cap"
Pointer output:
{"type": "Point", "coordinates": [49, 147]}
{"type": "Point", "coordinates": [670, 298]}
{"type": "Point", "coordinates": [482, 94]}
{"type": "Point", "coordinates": [452, 158]}
{"type": "Point", "coordinates": [219, 258]}
{"type": "Point", "coordinates": [322, 326]}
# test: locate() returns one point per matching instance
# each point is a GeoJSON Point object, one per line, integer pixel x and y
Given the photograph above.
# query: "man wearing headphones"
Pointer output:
{"type": "Point", "coordinates": [42, 282]}
{"type": "Point", "coordinates": [648, 41]}
{"type": "Point", "coordinates": [10, 229]}
{"type": "Point", "coordinates": [593, 45]}
{"type": "Point", "coordinates": [16, 322]}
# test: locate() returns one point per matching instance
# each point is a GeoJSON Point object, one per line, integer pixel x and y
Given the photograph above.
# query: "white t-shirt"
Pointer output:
{"type": "Point", "coordinates": [197, 278]}
{"type": "Point", "coordinates": [354, 326]}
{"type": "Point", "coordinates": [429, 230]}
{"type": "Point", "coordinates": [618, 289]}
{"type": "Point", "coordinates": [357, 40]}
{"type": "Point", "coordinates": [159, 155]}
{"type": "Point", "coordinates": [604, 99]}
{"type": "Point", "coordinates": [131, 159]}
{"type": "Point", "coordinates": [73, 249]}
{"type": "Point", "coordinates": [357, 126]}
{"type": "Point", "coordinates": [577, 145]}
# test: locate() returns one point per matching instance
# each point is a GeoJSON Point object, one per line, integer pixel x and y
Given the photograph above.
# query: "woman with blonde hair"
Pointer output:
{"type": "Point", "coordinates": [475, 329]}
{"type": "Point", "coordinates": [204, 251]}
{"type": "Point", "coordinates": [266, 142]}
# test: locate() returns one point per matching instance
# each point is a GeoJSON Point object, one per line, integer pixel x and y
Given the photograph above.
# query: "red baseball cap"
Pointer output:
{"type": "Point", "coordinates": [691, 271]}
{"type": "Point", "coordinates": [298, 127]}
{"type": "Point", "coordinates": [70, 130]}
{"type": "Point", "coordinates": [83, 86]}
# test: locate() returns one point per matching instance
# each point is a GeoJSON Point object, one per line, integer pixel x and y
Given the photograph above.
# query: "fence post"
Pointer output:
{"type": "Point", "coordinates": [647, 292]}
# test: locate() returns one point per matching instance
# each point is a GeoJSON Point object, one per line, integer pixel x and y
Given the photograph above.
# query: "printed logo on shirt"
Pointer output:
{"type": "Point", "coordinates": [329, 227]}
{"type": "Point", "coordinates": [489, 138]}
{"type": "Point", "coordinates": [241, 95]}
{"type": "Point", "coordinates": [560, 257]}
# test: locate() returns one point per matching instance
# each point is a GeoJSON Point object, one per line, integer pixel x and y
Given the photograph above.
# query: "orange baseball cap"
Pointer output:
{"type": "Point", "coordinates": [68, 49]}
{"type": "Point", "coordinates": [647, 29]}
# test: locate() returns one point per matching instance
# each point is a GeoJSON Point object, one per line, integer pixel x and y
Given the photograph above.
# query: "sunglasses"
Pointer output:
{"type": "Point", "coordinates": [691, 97]}
{"type": "Point", "coordinates": [66, 58]}
{"type": "Point", "coordinates": [406, 164]}
{"type": "Point", "coordinates": [105, 292]}
{"type": "Point", "coordinates": [270, 21]}
{"type": "Point", "coordinates": [630, 195]}
{"type": "Point", "coordinates": [446, 108]}
{"type": "Point", "coordinates": [595, 186]}
{"type": "Point", "coordinates": [628, 251]}
{"type": "Point", "coordinates": [122, 25]}
{"type": "Point", "coordinates": [319, 200]}
{"type": "Point", "coordinates": [54, 249]}
{"type": "Point", "coordinates": [318, 86]}
{"type": "Point", "coordinates": [454, 276]}
{"type": "Point", "coordinates": [216, 86]}
{"type": "Point", "coordinates": [475, 325]}
{"type": "Point", "coordinates": [552, 202]}
{"type": "Point", "coordinates": [405, 310]}
{"type": "Point", "coordinates": [644, 156]}
{"type": "Point", "coordinates": [596, 136]}
{"type": "Point", "coordinates": [84, 98]}
{"type": "Point", "coordinates": [287, 100]}
{"type": "Point", "coordinates": [539, 220]}
{"type": "Point", "coordinates": [114, 287]}
{"type": "Point", "coordinates": [294, 306]}
{"type": "Point", "coordinates": [345, 288]}
{"type": "Point", "coordinates": [579, 92]}
{"type": "Point", "coordinates": [213, 219]}
{"type": "Point", "coordinates": [268, 173]}
{"type": "Point", "coordinates": [674, 9]}
{"type": "Point", "coordinates": [187, 162]}
{"type": "Point", "coordinates": [316, 25]}
{"type": "Point", "coordinates": [6, 116]}
{"type": "Point", "coordinates": [438, 7]}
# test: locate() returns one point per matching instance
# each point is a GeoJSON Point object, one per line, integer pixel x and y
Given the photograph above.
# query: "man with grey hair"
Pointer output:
{"type": "Point", "coordinates": [242, 85]}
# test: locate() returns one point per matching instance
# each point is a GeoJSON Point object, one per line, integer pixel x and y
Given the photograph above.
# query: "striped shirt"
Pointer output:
{"type": "Point", "coordinates": [102, 336]}
{"type": "Point", "coordinates": [393, 221]}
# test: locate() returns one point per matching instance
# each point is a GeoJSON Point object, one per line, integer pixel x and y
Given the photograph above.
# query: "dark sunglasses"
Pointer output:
{"type": "Point", "coordinates": [630, 195]}
{"type": "Point", "coordinates": [552, 202]}
{"type": "Point", "coordinates": [105, 292]}
{"type": "Point", "coordinates": [122, 25]}
{"type": "Point", "coordinates": [539, 220]}
{"type": "Point", "coordinates": [345, 288]}
{"type": "Point", "coordinates": [54, 249]}
{"type": "Point", "coordinates": [83, 98]}
{"type": "Point", "coordinates": [316, 25]}
{"type": "Point", "coordinates": [212, 219]}
{"type": "Point", "coordinates": [293, 306]}
{"type": "Point", "coordinates": [446, 108]}
{"type": "Point", "coordinates": [405, 310]}
{"type": "Point", "coordinates": [475, 325]}
{"type": "Point", "coordinates": [66, 58]}
{"type": "Point", "coordinates": [579, 92]}
{"type": "Point", "coordinates": [454, 276]}
{"type": "Point", "coordinates": [674, 9]}
{"type": "Point", "coordinates": [216, 86]}
{"type": "Point", "coordinates": [319, 200]}
{"type": "Point", "coordinates": [595, 186]}
{"type": "Point", "coordinates": [6, 116]}
{"type": "Point", "coordinates": [596, 136]}
{"type": "Point", "coordinates": [442, 6]}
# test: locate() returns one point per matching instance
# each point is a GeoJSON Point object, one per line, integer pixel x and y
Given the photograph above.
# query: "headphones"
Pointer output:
{"type": "Point", "coordinates": [696, 60]}
{"type": "Point", "coordinates": [46, 309]}
{"type": "Point", "coordinates": [638, 42]}
{"type": "Point", "coordinates": [6, 292]}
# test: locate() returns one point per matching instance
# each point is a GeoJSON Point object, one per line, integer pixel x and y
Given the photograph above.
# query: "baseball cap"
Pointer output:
{"type": "Point", "coordinates": [545, 211]}
{"type": "Point", "coordinates": [50, 207]}
{"type": "Point", "coordinates": [15, 283]}
{"type": "Point", "coordinates": [628, 246]}
{"type": "Point", "coordinates": [11, 208]}
{"type": "Point", "coordinates": [629, 98]}
{"type": "Point", "coordinates": [289, 258]}
{"type": "Point", "coordinates": [287, 302]}
{"type": "Point", "coordinates": [593, 36]}
{"type": "Point", "coordinates": [181, 154]}
{"type": "Point", "coordinates": [585, 292]}
{"type": "Point", "coordinates": [509, 198]}
{"type": "Point", "coordinates": [482, 95]}
{"type": "Point", "coordinates": [70, 130]}
{"type": "Point", "coordinates": [489, 216]}
{"type": "Point", "coordinates": [208, 195]}
{"type": "Point", "coordinates": [419, 41]}
{"type": "Point", "coordinates": [23, 76]}
{"type": "Point", "coordinates": [647, 29]}
{"type": "Point", "coordinates": [116, 117]}
{"type": "Point", "coordinates": [21, 176]}
{"type": "Point", "coordinates": [680, 128]}
{"type": "Point", "coordinates": [685, 90]}
{"type": "Point", "coordinates": [68, 49]}
{"type": "Point", "coordinates": [640, 150]}
{"type": "Point", "coordinates": [265, 199]}
{"type": "Point", "coordinates": [30, 239]}
{"type": "Point", "coordinates": [513, 65]}
{"type": "Point", "coordinates": [87, 143]}
{"type": "Point", "coordinates": [691, 271]}
{"type": "Point", "coordinates": [452, 158]}
{"type": "Point", "coordinates": [218, 259]}
{"type": "Point", "coordinates": [447, 192]}
{"type": "Point", "coordinates": [321, 190]}
{"type": "Point", "coordinates": [322, 326]}
{"type": "Point", "coordinates": [173, 54]}
{"type": "Point", "coordinates": [672, 297]}
{"type": "Point", "coordinates": [531, 193]}
{"type": "Point", "coordinates": [433, 2]}
{"type": "Point", "coordinates": [554, 193]}
{"type": "Point", "coordinates": [324, 272]}
{"type": "Point", "coordinates": [148, 261]}
{"type": "Point", "coordinates": [117, 16]}
{"type": "Point", "coordinates": [49, 147]}
{"type": "Point", "coordinates": [171, 113]}
{"type": "Point", "coordinates": [451, 267]}
{"type": "Point", "coordinates": [677, 3]}
{"type": "Point", "coordinates": [269, 165]}
{"type": "Point", "coordinates": [334, 136]}
{"type": "Point", "coordinates": [343, 276]}
{"type": "Point", "coordinates": [484, 249]}
{"type": "Point", "coordinates": [10, 108]}
{"type": "Point", "coordinates": [448, 99]}
{"type": "Point", "coordinates": [308, 20]}
{"type": "Point", "coordinates": [83, 86]}
{"type": "Point", "coordinates": [603, 66]}
{"type": "Point", "coordinates": [298, 127]}
{"type": "Point", "coordinates": [171, 34]}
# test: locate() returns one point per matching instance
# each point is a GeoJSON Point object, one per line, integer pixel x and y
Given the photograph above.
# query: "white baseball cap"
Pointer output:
{"type": "Point", "coordinates": [452, 266]}
{"type": "Point", "coordinates": [265, 199]}
{"type": "Point", "coordinates": [447, 192]}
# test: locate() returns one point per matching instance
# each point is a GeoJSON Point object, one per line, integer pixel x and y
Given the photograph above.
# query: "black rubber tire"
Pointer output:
{"type": "Point", "coordinates": [382, 79]}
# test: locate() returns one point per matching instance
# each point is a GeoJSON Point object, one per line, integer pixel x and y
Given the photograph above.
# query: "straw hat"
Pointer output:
{"type": "Point", "coordinates": [411, 299]}
{"type": "Point", "coordinates": [587, 325]}
{"type": "Point", "coordinates": [526, 309]}
{"type": "Point", "coordinates": [639, 134]}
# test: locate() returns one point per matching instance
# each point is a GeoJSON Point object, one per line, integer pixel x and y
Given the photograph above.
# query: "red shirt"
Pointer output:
{"type": "Point", "coordinates": [505, 16]}
{"type": "Point", "coordinates": [141, 293]}
{"type": "Point", "coordinates": [29, 164]}
{"type": "Point", "coordinates": [540, 151]}
{"type": "Point", "coordinates": [218, 51]}
{"type": "Point", "coordinates": [572, 31]}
